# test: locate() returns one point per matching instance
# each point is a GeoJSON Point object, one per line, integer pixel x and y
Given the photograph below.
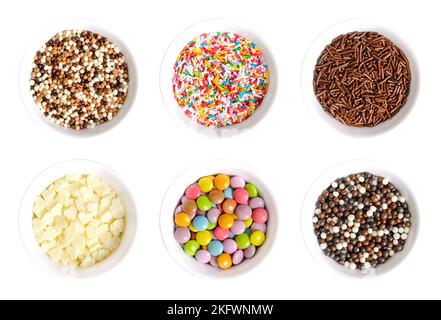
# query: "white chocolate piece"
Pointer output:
{"type": "Point", "coordinates": [117, 227]}
{"type": "Point", "coordinates": [70, 213]}
{"type": "Point", "coordinates": [78, 221]}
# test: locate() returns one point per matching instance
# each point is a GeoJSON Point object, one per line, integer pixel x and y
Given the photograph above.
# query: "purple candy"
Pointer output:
{"type": "Point", "coordinates": [182, 235]}
{"type": "Point", "coordinates": [237, 182]}
{"type": "Point", "coordinates": [257, 203]}
{"type": "Point", "coordinates": [258, 227]}
{"type": "Point", "coordinates": [178, 210]}
{"type": "Point", "coordinates": [238, 257]}
{"type": "Point", "coordinates": [230, 246]}
{"type": "Point", "coordinates": [250, 252]}
{"type": "Point", "coordinates": [213, 262]}
{"type": "Point", "coordinates": [200, 213]}
{"type": "Point", "coordinates": [244, 212]}
{"type": "Point", "coordinates": [238, 227]}
{"type": "Point", "coordinates": [213, 215]}
{"type": "Point", "coordinates": [203, 256]}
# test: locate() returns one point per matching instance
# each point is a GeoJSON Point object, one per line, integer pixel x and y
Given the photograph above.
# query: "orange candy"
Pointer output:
{"type": "Point", "coordinates": [226, 221]}
{"type": "Point", "coordinates": [182, 220]}
{"type": "Point", "coordinates": [222, 182]}
{"type": "Point", "coordinates": [224, 261]}
{"type": "Point", "coordinates": [229, 206]}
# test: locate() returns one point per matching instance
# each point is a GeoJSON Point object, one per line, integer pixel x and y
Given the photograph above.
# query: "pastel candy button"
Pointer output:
{"type": "Point", "coordinates": [215, 248]}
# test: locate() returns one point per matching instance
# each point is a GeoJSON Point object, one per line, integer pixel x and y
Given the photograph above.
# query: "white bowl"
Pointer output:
{"type": "Point", "coordinates": [177, 190]}
{"type": "Point", "coordinates": [314, 53]}
{"type": "Point", "coordinates": [172, 53]}
{"type": "Point", "coordinates": [323, 182]}
{"type": "Point", "coordinates": [26, 68]}
{"type": "Point", "coordinates": [41, 182]}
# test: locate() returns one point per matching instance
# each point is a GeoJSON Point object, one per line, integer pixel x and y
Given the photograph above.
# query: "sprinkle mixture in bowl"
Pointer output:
{"type": "Point", "coordinates": [79, 79]}
{"type": "Point", "coordinates": [220, 79]}
{"type": "Point", "coordinates": [362, 79]}
{"type": "Point", "coordinates": [361, 221]}
{"type": "Point", "coordinates": [79, 221]}
{"type": "Point", "coordinates": [221, 220]}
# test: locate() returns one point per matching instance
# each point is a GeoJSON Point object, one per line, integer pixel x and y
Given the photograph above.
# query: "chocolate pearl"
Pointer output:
{"type": "Point", "coordinates": [376, 228]}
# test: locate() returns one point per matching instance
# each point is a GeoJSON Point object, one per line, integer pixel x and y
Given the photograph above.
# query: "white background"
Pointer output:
{"type": "Point", "coordinates": [289, 147]}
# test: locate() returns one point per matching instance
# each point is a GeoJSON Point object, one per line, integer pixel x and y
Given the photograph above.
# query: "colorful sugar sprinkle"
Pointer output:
{"type": "Point", "coordinates": [220, 79]}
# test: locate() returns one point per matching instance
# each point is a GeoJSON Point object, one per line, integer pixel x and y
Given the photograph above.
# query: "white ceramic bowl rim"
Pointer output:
{"type": "Point", "coordinates": [41, 182]}
{"type": "Point", "coordinates": [169, 59]}
{"type": "Point", "coordinates": [176, 191]}
{"type": "Point", "coordinates": [316, 49]}
{"type": "Point", "coordinates": [26, 68]}
{"type": "Point", "coordinates": [342, 170]}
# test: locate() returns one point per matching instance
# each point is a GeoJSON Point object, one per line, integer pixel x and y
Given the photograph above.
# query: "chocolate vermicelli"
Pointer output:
{"type": "Point", "coordinates": [362, 79]}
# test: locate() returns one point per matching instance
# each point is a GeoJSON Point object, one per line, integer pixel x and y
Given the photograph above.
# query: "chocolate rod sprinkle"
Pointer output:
{"type": "Point", "coordinates": [362, 79]}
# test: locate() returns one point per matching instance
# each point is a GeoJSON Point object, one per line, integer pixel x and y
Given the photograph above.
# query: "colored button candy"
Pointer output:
{"type": "Point", "coordinates": [182, 220]}
{"type": "Point", "coordinates": [222, 182]}
{"type": "Point", "coordinates": [204, 238]}
{"type": "Point", "coordinates": [189, 206]}
{"type": "Point", "coordinates": [226, 221]}
{"type": "Point", "coordinates": [257, 238]}
{"type": "Point", "coordinates": [182, 235]}
{"type": "Point", "coordinates": [260, 215]}
{"type": "Point", "coordinates": [203, 256]}
{"type": "Point", "coordinates": [200, 223]}
{"type": "Point", "coordinates": [193, 192]}
{"type": "Point", "coordinates": [216, 248]}
{"type": "Point", "coordinates": [252, 190]}
{"type": "Point", "coordinates": [221, 221]}
{"type": "Point", "coordinates": [229, 206]}
{"type": "Point", "coordinates": [221, 234]}
{"type": "Point", "coordinates": [204, 204]}
{"type": "Point", "coordinates": [241, 196]}
{"type": "Point", "coordinates": [225, 262]}
{"type": "Point", "coordinates": [191, 248]}
{"type": "Point", "coordinates": [206, 184]}
{"type": "Point", "coordinates": [216, 196]}
{"type": "Point", "coordinates": [243, 241]}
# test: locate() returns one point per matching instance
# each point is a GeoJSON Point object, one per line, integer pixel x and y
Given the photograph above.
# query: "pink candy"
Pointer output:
{"type": "Point", "coordinates": [193, 192]}
{"type": "Point", "coordinates": [221, 234]}
{"type": "Point", "coordinates": [241, 196]}
{"type": "Point", "coordinates": [260, 216]}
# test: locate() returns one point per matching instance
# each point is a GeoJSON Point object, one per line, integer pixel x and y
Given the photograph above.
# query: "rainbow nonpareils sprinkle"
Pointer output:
{"type": "Point", "coordinates": [220, 79]}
